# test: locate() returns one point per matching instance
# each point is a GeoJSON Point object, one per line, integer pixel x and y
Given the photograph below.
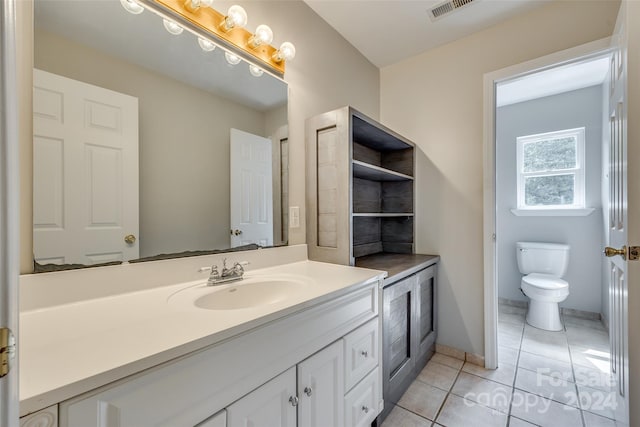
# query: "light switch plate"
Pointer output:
{"type": "Point", "coordinates": [294, 217]}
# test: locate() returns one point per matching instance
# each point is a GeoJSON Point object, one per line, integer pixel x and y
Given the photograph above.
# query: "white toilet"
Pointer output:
{"type": "Point", "coordinates": [544, 264]}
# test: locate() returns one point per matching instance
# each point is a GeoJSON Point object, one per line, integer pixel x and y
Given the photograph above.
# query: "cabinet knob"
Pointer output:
{"type": "Point", "coordinates": [365, 409]}
{"type": "Point", "coordinates": [364, 353]}
{"type": "Point", "coordinates": [294, 400]}
{"type": "Point", "coordinates": [308, 391]}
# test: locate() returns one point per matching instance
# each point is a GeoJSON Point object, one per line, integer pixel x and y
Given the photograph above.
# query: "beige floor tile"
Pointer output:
{"type": "Point", "coordinates": [511, 318]}
{"type": "Point", "coordinates": [593, 420]}
{"type": "Point", "coordinates": [508, 355]}
{"type": "Point", "coordinates": [517, 422]}
{"type": "Point", "coordinates": [577, 322]}
{"type": "Point", "coordinates": [544, 412]}
{"type": "Point", "coordinates": [504, 374]}
{"type": "Point", "coordinates": [438, 375]}
{"type": "Point", "coordinates": [458, 412]}
{"type": "Point", "coordinates": [547, 337]}
{"type": "Point", "coordinates": [590, 358]}
{"type": "Point", "coordinates": [556, 389]}
{"type": "Point", "coordinates": [485, 392]}
{"type": "Point", "coordinates": [508, 339]}
{"type": "Point", "coordinates": [552, 351]}
{"type": "Point", "coordinates": [449, 361]}
{"type": "Point", "coordinates": [400, 417]}
{"type": "Point", "coordinates": [594, 378]}
{"type": "Point", "coordinates": [598, 402]}
{"type": "Point", "coordinates": [423, 399]}
{"type": "Point", "coordinates": [546, 366]}
{"type": "Point", "coordinates": [586, 337]}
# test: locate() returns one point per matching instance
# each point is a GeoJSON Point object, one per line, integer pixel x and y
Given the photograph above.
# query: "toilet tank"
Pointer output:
{"type": "Point", "coordinates": [547, 258]}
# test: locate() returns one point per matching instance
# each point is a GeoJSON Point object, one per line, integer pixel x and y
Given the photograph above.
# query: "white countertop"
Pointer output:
{"type": "Point", "coordinates": [69, 349]}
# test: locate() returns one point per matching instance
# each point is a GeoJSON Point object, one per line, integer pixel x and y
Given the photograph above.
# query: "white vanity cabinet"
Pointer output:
{"type": "Point", "coordinates": [47, 417]}
{"type": "Point", "coordinates": [257, 376]}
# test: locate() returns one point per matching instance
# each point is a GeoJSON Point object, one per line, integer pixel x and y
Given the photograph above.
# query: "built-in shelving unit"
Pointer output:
{"type": "Point", "coordinates": [360, 187]}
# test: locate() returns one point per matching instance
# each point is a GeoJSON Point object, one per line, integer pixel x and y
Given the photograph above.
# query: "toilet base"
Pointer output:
{"type": "Point", "coordinates": [544, 315]}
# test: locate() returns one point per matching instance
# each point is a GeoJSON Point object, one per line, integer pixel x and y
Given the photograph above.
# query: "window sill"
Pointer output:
{"type": "Point", "coordinates": [552, 212]}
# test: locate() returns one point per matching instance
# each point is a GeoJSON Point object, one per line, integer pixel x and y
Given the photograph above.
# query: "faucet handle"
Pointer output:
{"type": "Point", "coordinates": [240, 266]}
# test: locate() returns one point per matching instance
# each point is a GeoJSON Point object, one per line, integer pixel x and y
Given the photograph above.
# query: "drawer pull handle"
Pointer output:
{"type": "Point", "coordinates": [294, 400]}
{"type": "Point", "coordinates": [364, 353]}
{"type": "Point", "coordinates": [365, 409]}
{"type": "Point", "coordinates": [308, 391]}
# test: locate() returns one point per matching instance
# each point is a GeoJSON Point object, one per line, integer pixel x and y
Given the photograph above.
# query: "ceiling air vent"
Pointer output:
{"type": "Point", "coordinates": [446, 8]}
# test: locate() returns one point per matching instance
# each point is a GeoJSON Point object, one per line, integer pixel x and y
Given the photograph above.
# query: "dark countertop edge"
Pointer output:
{"type": "Point", "coordinates": [398, 266]}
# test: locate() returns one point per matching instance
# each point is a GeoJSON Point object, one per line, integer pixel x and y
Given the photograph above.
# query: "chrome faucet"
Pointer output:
{"type": "Point", "coordinates": [227, 275]}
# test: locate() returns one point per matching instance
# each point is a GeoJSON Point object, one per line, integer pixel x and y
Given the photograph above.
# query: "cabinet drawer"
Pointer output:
{"type": "Point", "coordinates": [361, 403]}
{"type": "Point", "coordinates": [361, 352]}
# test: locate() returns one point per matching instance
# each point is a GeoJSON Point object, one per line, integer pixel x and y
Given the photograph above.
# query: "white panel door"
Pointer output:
{"type": "Point", "coordinates": [321, 388]}
{"type": "Point", "coordinates": [271, 405]}
{"type": "Point", "coordinates": [251, 197]}
{"type": "Point", "coordinates": [618, 216]}
{"type": "Point", "coordinates": [85, 172]}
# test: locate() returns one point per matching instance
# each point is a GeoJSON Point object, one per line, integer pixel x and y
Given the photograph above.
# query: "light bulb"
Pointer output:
{"type": "Point", "coordinates": [255, 70]}
{"type": "Point", "coordinates": [236, 17]}
{"type": "Point", "coordinates": [286, 52]}
{"type": "Point", "coordinates": [132, 6]}
{"type": "Point", "coordinates": [231, 58]}
{"type": "Point", "coordinates": [206, 45]}
{"type": "Point", "coordinates": [263, 35]}
{"type": "Point", "coordinates": [194, 5]}
{"type": "Point", "coordinates": [172, 27]}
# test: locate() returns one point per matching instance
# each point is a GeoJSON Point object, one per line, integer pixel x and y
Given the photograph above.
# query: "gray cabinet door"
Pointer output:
{"type": "Point", "coordinates": [399, 316]}
{"type": "Point", "coordinates": [425, 316]}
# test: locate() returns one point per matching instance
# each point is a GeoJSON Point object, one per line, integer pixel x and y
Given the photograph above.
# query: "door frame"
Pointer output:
{"type": "Point", "coordinates": [576, 54]}
{"type": "Point", "coordinates": [9, 203]}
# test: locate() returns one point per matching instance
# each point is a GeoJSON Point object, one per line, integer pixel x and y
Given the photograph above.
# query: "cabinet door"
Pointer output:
{"type": "Point", "coordinates": [425, 316]}
{"type": "Point", "coordinates": [398, 351]}
{"type": "Point", "coordinates": [271, 405]}
{"type": "Point", "coordinates": [321, 388]}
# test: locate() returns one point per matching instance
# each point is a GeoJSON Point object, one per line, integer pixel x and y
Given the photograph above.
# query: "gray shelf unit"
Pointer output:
{"type": "Point", "coordinates": [360, 188]}
{"type": "Point", "coordinates": [360, 211]}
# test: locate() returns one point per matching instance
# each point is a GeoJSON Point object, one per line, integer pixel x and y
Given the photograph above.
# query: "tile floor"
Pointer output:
{"type": "Point", "coordinates": [544, 379]}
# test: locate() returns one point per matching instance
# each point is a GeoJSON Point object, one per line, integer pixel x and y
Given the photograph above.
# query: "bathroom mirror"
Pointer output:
{"type": "Point", "coordinates": [113, 74]}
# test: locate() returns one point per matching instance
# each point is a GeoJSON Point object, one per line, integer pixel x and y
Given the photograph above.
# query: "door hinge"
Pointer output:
{"type": "Point", "coordinates": [634, 253]}
{"type": "Point", "coordinates": [7, 350]}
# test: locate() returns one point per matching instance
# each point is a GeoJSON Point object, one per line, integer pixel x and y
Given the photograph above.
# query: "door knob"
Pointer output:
{"type": "Point", "coordinates": [236, 232]}
{"type": "Point", "coordinates": [130, 239]}
{"type": "Point", "coordinates": [611, 252]}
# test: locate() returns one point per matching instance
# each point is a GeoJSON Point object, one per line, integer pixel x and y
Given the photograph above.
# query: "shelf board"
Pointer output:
{"type": "Point", "coordinates": [383, 215]}
{"type": "Point", "coordinates": [376, 173]}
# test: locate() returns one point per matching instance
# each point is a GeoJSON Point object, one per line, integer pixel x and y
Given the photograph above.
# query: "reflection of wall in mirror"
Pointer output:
{"type": "Point", "coordinates": [184, 145]}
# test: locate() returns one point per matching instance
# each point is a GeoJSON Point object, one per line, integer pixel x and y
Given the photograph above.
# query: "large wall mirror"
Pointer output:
{"type": "Point", "coordinates": [146, 144]}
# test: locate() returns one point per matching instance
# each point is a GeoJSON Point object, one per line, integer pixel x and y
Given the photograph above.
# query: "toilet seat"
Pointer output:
{"type": "Point", "coordinates": [545, 281]}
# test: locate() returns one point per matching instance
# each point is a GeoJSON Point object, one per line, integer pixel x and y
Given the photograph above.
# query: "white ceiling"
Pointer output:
{"type": "Point", "coordinates": [388, 31]}
{"type": "Point", "coordinates": [554, 81]}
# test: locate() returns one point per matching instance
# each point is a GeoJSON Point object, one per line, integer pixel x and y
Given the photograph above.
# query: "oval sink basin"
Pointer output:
{"type": "Point", "coordinates": [247, 295]}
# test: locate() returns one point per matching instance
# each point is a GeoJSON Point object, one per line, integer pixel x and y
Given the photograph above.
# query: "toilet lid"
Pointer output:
{"type": "Point", "coordinates": [545, 281]}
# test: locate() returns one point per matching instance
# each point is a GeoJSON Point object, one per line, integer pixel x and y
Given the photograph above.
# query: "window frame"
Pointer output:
{"type": "Point", "coordinates": [579, 190]}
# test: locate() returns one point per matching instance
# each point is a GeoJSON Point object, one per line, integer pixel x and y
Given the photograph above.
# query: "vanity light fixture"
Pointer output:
{"type": "Point", "coordinates": [206, 45]}
{"type": "Point", "coordinates": [132, 6]}
{"type": "Point", "coordinates": [263, 35]}
{"type": "Point", "coordinates": [255, 70]}
{"type": "Point", "coordinates": [236, 18]}
{"type": "Point", "coordinates": [172, 27]}
{"type": "Point", "coordinates": [226, 31]}
{"type": "Point", "coordinates": [231, 58]}
{"type": "Point", "coordinates": [286, 52]}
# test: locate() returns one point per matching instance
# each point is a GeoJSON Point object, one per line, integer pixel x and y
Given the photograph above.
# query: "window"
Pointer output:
{"type": "Point", "coordinates": [551, 170]}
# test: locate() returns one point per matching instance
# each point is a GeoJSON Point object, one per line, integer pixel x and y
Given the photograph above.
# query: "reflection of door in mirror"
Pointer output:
{"type": "Point", "coordinates": [85, 145]}
{"type": "Point", "coordinates": [280, 154]}
{"type": "Point", "coordinates": [251, 196]}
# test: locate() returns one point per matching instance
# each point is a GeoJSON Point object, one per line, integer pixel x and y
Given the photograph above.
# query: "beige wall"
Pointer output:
{"type": "Point", "coordinates": [327, 73]}
{"type": "Point", "coordinates": [440, 94]}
